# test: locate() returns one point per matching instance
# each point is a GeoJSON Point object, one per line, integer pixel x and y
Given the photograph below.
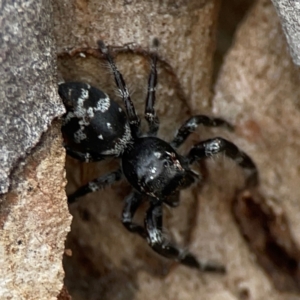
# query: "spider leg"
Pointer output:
{"type": "Point", "coordinates": [161, 245]}
{"type": "Point", "coordinates": [134, 120]}
{"type": "Point", "coordinates": [173, 201]}
{"type": "Point", "coordinates": [95, 185]}
{"type": "Point", "coordinates": [132, 202]}
{"type": "Point", "coordinates": [150, 115]}
{"type": "Point", "coordinates": [217, 145]}
{"type": "Point", "coordinates": [191, 125]}
{"type": "Point", "coordinates": [83, 156]}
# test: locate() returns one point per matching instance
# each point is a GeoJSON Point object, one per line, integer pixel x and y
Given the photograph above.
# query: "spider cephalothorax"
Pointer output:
{"type": "Point", "coordinates": [96, 127]}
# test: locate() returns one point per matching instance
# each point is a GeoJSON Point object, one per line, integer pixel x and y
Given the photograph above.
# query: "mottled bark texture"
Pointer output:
{"type": "Point", "coordinates": [33, 213]}
{"type": "Point", "coordinates": [289, 13]}
{"type": "Point", "coordinates": [254, 233]}
{"type": "Point", "coordinates": [34, 223]}
{"type": "Point", "coordinates": [258, 90]}
{"type": "Point", "coordinates": [27, 69]}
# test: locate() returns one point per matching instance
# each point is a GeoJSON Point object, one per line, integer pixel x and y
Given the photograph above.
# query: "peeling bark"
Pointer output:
{"type": "Point", "coordinates": [34, 222]}
{"type": "Point", "coordinates": [34, 216]}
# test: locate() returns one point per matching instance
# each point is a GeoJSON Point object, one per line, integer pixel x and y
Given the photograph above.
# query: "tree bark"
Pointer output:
{"type": "Point", "coordinates": [33, 211]}
{"type": "Point", "coordinates": [254, 233]}
{"type": "Point", "coordinates": [289, 14]}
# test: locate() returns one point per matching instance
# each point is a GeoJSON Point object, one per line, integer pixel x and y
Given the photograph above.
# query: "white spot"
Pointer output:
{"type": "Point", "coordinates": [157, 154]}
{"type": "Point", "coordinates": [120, 109]}
{"type": "Point", "coordinates": [121, 143]}
{"type": "Point", "coordinates": [87, 157]}
{"type": "Point", "coordinates": [150, 117]}
{"type": "Point", "coordinates": [155, 237]}
{"type": "Point", "coordinates": [103, 104]}
{"type": "Point", "coordinates": [84, 94]}
{"type": "Point", "coordinates": [124, 93]}
{"type": "Point", "coordinates": [90, 112]}
{"type": "Point", "coordinates": [239, 159]}
{"type": "Point", "coordinates": [80, 111]}
{"type": "Point", "coordinates": [108, 125]}
{"type": "Point", "coordinates": [100, 136]}
{"type": "Point", "coordinates": [126, 217]}
{"type": "Point", "coordinates": [212, 148]}
{"type": "Point", "coordinates": [70, 115]}
{"type": "Point", "coordinates": [93, 186]}
{"type": "Point", "coordinates": [79, 136]}
{"type": "Point", "coordinates": [82, 55]}
{"type": "Point", "coordinates": [153, 170]}
{"type": "Point", "coordinates": [193, 124]}
{"type": "Point", "coordinates": [83, 122]}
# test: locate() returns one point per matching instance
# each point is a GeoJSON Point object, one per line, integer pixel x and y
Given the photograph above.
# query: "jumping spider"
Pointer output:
{"type": "Point", "coordinates": [96, 127]}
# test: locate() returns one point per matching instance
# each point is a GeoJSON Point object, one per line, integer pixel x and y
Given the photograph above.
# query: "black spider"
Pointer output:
{"type": "Point", "coordinates": [96, 127]}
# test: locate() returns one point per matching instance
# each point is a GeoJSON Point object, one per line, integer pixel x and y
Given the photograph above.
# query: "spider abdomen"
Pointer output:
{"type": "Point", "coordinates": [94, 123]}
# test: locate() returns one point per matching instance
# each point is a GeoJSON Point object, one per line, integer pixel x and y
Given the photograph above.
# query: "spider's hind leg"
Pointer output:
{"type": "Point", "coordinates": [132, 202]}
{"type": "Point", "coordinates": [83, 156]}
{"type": "Point", "coordinates": [95, 185]}
{"type": "Point", "coordinates": [164, 247]}
{"type": "Point", "coordinates": [173, 201]}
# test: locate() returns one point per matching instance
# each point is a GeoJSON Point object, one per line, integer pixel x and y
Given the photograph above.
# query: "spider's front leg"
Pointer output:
{"type": "Point", "coordinates": [83, 156]}
{"type": "Point", "coordinates": [217, 145]}
{"type": "Point", "coordinates": [95, 185]}
{"type": "Point", "coordinates": [173, 200]}
{"type": "Point", "coordinates": [132, 202]}
{"type": "Point", "coordinates": [192, 124]}
{"type": "Point", "coordinates": [164, 247]}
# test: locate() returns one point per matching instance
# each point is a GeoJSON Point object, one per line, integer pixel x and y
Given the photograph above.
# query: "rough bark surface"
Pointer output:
{"type": "Point", "coordinates": [258, 90]}
{"type": "Point", "coordinates": [34, 222]}
{"type": "Point", "coordinates": [34, 218]}
{"type": "Point", "coordinates": [289, 13]}
{"type": "Point", "coordinates": [27, 70]}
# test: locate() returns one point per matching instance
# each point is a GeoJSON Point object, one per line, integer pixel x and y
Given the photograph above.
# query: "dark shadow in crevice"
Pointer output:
{"type": "Point", "coordinates": [268, 235]}
{"type": "Point", "coordinates": [231, 14]}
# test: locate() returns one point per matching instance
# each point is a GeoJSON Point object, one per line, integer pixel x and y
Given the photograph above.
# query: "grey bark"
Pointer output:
{"type": "Point", "coordinates": [34, 218]}
{"type": "Point", "coordinates": [28, 96]}
{"type": "Point", "coordinates": [289, 13]}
